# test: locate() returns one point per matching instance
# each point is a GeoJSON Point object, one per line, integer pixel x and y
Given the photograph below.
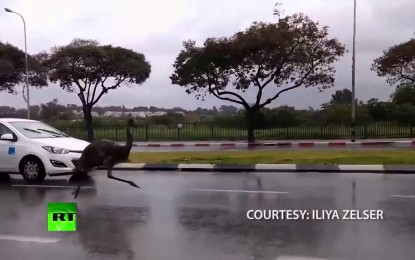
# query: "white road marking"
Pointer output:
{"type": "Point", "coordinates": [299, 258]}
{"type": "Point", "coordinates": [243, 191]}
{"type": "Point", "coordinates": [51, 186]}
{"type": "Point", "coordinates": [403, 196]}
{"type": "Point", "coordinates": [29, 239]}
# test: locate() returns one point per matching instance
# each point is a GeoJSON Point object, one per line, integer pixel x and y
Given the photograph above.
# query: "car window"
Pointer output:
{"type": "Point", "coordinates": [35, 130]}
{"type": "Point", "coordinates": [4, 130]}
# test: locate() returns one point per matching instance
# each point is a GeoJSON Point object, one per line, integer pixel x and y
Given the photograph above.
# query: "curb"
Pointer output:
{"type": "Point", "coordinates": [332, 168]}
{"type": "Point", "coordinates": [330, 144]}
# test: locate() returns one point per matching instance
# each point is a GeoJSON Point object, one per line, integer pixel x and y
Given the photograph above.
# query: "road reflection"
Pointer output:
{"type": "Point", "coordinates": [224, 226]}
{"type": "Point", "coordinates": [105, 230]}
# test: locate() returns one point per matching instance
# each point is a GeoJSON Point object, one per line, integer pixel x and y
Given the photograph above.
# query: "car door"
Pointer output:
{"type": "Point", "coordinates": [8, 158]}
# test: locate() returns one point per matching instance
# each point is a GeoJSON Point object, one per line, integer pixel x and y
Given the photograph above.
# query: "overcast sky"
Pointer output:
{"type": "Point", "coordinates": [157, 28]}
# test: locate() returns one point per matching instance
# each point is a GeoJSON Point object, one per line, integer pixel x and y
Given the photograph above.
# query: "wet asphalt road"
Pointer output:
{"type": "Point", "coordinates": [190, 216]}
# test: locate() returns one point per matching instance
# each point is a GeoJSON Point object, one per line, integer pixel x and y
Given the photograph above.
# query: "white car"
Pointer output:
{"type": "Point", "coordinates": [34, 149]}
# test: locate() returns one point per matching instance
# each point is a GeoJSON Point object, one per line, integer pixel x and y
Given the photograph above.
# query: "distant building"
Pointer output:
{"type": "Point", "coordinates": [135, 114]}
{"type": "Point", "coordinates": [113, 113]}
{"type": "Point", "coordinates": [159, 113]}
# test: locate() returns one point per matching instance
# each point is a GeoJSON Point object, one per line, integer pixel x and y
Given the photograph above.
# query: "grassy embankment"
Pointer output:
{"type": "Point", "coordinates": [397, 157]}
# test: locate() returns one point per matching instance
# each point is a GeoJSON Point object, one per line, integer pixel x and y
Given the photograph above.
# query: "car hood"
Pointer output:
{"type": "Point", "coordinates": [69, 143]}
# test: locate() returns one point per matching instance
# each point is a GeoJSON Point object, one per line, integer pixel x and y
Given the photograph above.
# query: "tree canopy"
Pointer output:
{"type": "Point", "coordinates": [404, 94]}
{"type": "Point", "coordinates": [397, 64]}
{"type": "Point", "coordinates": [343, 96]}
{"type": "Point", "coordinates": [13, 69]}
{"type": "Point", "coordinates": [53, 111]}
{"type": "Point", "coordinates": [288, 54]}
{"type": "Point", "coordinates": [340, 97]}
{"type": "Point", "coordinates": [91, 70]}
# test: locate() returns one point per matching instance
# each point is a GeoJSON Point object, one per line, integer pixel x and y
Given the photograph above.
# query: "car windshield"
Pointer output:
{"type": "Point", "coordinates": [35, 130]}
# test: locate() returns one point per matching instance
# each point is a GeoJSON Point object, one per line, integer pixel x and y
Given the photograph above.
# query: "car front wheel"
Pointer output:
{"type": "Point", "coordinates": [32, 170]}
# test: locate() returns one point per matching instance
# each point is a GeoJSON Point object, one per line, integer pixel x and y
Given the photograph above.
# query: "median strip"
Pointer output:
{"type": "Point", "coordinates": [397, 169]}
{"type": "Point", "coordinates": [378, 161]}
{"type": "Point", "coordinates": [397, 143]}
{"type": "Point", "coordinates": [299, 156]}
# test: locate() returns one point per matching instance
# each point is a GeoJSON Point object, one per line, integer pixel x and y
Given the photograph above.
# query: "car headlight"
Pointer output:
{"type": "Point", "coordinates": [55, 150]}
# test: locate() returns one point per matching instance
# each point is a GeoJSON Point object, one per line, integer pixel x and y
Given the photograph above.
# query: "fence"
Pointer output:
{"type": "Point", "coordinates": [204, 132]}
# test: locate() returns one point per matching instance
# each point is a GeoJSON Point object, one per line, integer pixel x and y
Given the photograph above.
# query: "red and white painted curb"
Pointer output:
{"type": "Point", "coordinates": [303, 144]}
{"type": "Point", "coordinates": [408, 169]}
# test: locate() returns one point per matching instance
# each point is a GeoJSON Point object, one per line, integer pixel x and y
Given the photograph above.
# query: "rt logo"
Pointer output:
{"type": "Point", "coordinates": [61, 216]}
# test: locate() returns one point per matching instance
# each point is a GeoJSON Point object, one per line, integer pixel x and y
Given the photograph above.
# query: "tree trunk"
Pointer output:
{"type": "Point", "coordinates": [89, 126]}
{"type": "Point", "coordinates": [251, 125]}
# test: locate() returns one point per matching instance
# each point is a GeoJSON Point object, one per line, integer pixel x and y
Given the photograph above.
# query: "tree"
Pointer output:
{"type": "Point", "coordinates": [334, 113]}
{"type": "Point", "coordinates": [52, 111]}
{"type": "Point", "coordinates": [406, 113]}
{"type": "Point", "coordinates": [13, 69]}
{"type": "Point", "coordinates": [340, 97]}
{"type": "Point", "coordinates": [6, 111]}
{"type": "Point", "coordinates": [291, 53]}
{"type": "Point", "coordinates": [228, 110]}
{"type": "Point", "coordinates": [404, 94]}
{"type": "Point", "coordinates": [92, 70]}
{"type": "Point", "coordinates": [343, 96]}
{"type": "Point", "coordinates": [397, 64]}
{"type": "Point", "coordinates": [376, 109]}
{"type": "Point", "coordinates": [285, 116]}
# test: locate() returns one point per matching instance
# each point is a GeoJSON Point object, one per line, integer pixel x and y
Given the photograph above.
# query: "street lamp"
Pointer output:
{"type": "Point", "coordinates": [353, 130]}
{"type": "Point", "coordinates": [27, 73]}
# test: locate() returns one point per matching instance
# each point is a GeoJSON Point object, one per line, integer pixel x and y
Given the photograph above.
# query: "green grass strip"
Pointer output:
{"type": "Point", "coordinates": [387, 157]}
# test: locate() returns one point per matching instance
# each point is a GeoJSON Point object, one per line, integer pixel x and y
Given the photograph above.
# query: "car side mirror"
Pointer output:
{"type": "Point", "coordinates": [7, 137]}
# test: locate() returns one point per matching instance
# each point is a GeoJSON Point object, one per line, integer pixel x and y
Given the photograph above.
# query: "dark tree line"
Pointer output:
{"type": "Point", "coordinates": [400, 108]}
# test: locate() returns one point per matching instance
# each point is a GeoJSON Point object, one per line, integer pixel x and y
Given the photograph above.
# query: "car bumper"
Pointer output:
{"type": "Point", "coordinates": [61, 163]}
